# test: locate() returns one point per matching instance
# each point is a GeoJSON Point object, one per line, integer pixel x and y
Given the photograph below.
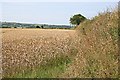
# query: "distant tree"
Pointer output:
{"type": "Point", "coordinates": [37, 26]}
{"type": "Point", "coordinates": [77, 19]}
{"type": "Point", "coordinates": [42, 27]}
{"type": "Point", "coordinates": [15, 27]}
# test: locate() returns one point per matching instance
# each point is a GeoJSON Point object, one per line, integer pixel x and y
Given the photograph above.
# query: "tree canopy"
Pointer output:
{"type": "Point", "coordinates": [77, 19]}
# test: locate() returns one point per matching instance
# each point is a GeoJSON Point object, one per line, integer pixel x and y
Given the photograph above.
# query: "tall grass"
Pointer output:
{"type": "Point", "coordinates": [53, 68]}
{"type": "Point", "coordinates": [99, 44]}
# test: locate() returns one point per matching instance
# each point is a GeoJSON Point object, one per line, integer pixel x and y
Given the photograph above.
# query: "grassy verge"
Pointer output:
{"type": "Point", "coordinates": [53, 68]}
{"type": "Point", "coordinates": [99, 45]}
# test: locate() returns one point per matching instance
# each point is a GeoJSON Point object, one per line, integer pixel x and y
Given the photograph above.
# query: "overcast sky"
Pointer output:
{"type": "Point", "coordinates": [49, 12]}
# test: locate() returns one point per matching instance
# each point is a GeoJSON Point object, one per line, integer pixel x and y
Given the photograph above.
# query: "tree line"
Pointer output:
{"type": "Point", "coordinates": [74, 20]}
{"type": "Point", "coordinates": [23, 25]}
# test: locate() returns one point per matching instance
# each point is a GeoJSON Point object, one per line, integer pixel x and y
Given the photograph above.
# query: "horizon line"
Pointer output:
{"type": "Point", "coordinates": [34, 23]}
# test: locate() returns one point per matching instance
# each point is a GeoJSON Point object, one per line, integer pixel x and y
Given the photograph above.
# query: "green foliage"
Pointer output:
{"type": "Point", "coordinates": [51, 69]}
{"type": "Point", "coordinates": [77, 19]}
{"type": "Point", "coordinates": [114, 33]}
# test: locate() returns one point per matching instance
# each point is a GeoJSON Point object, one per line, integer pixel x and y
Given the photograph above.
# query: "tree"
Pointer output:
{"type": "Point", "coordinates": [37, 26]}
{"type": "Point", "coordinates": [77, 19]}
{"type": "Point", "coordinates": [42, 27]}
{"type": "Point", "coordinates": [15, 27]}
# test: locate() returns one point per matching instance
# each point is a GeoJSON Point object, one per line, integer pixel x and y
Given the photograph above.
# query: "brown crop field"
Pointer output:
{"type": "Point", "coordinates": [26, 49]}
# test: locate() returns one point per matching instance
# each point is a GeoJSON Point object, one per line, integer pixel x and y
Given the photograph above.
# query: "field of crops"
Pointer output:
{"type": "Point", "coordinates": [89, 51]}
{"type": "Point", "coordinates": [26, 51]}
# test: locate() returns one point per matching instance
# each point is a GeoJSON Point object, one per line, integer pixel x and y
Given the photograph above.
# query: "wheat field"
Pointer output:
{"type": "Point", "coordinates": [24, 49]}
